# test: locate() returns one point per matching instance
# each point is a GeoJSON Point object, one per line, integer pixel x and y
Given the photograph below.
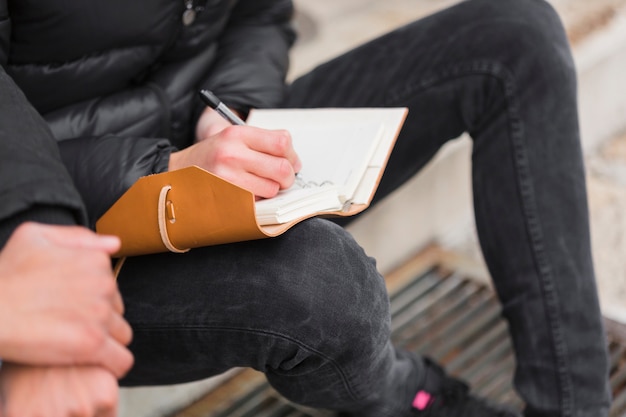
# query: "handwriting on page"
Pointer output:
{"type": "Point", "coordinates": [340, 158]}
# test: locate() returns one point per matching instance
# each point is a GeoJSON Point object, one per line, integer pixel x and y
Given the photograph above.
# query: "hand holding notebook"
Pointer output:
{"type": "Point", "coordinates": [343, 153]}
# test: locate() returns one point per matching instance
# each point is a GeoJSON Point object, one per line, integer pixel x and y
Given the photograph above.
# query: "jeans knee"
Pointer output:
{"type": "Point", "coordinates": [532, 38]}
{"type": "Point", "coordinates": [339, 297]}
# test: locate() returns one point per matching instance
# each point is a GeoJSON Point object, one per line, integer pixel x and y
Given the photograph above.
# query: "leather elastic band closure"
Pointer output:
{"type": "Point", "coordinates": [166, 210]}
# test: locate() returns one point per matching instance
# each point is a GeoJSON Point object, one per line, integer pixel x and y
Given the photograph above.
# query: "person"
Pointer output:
{"type": "Point", "coordinates": [62, 333]}
{"type": "Point", "coordinates": [117, 86]}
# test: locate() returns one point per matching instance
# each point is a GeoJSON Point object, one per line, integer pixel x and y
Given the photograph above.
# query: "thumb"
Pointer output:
{"type": "Point", "coordinates": [77, 237]}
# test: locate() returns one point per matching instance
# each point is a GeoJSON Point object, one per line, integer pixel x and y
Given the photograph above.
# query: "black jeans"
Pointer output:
{"type": "Point", "coordinates": [309, 308]}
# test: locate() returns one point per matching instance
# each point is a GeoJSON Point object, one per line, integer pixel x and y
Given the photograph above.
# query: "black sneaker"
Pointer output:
{"type": "Point", "coordinates": [445, 396]}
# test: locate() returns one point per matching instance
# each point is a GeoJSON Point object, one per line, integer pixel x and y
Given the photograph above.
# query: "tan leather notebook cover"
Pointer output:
{"type": "Point", "coordinates": [187, 208]}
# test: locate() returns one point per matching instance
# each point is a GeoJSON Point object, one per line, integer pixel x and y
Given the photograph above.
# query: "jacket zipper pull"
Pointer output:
{"type": "Point", "coordinates": [189, 15]}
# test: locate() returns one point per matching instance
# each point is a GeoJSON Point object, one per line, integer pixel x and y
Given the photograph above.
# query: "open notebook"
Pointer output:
{"type": "Point", "coordinates": [343, 153]}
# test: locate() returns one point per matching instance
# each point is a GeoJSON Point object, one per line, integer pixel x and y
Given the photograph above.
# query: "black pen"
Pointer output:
{"type": "Point", "coordinates": [216, 104]}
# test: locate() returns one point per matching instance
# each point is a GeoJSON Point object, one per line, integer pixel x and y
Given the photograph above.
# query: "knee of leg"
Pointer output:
{"type": "Point", "coordinates": [340, 295]}
{"type": "Point", "coordinates": [531, 38]}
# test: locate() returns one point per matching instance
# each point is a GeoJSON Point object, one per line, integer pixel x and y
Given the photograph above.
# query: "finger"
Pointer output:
{"type": "Point", "coordinates": [273, 168]}
{"type": "Point", "coordinates": [254, 172]}
{"type": "Point", "coordinates": [268, 169]}
{"type": "Point", "coordinates": [118, 303]}
{"type": "Point", "coordinates": [259, 186]}
{"type": "Point", "coordinates": [115, 357]}
{"type": "Point", "coordinates": [274, 142]}
{"type": "Point", "coordinates": [107, 412]}
{"type": "Point", "coordinates": [120, 330]}
{"type": "Point", "coordinates": [105, 392]}
{"type": "Point", "coordinates": [78, 237]}
{"type": "Point", "coordinates": [82, 404]}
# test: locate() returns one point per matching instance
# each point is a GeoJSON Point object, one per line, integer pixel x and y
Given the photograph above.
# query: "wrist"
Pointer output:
{"type": "Point", "coordinates": [172, 165]}
{"type": "Point", "coordinates": [211, 123]}
{"type": "Point", "coordinates": [178, 160]}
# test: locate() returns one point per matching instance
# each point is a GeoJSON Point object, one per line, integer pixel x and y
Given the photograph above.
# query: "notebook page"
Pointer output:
{"type": "Point", "coordinates": [337, 154]}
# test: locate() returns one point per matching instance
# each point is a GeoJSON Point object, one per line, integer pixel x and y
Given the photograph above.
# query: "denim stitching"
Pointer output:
{"type": "Point", "coordinates": [527, 197]}
{"type": "Point", "coordinates": [529, 207]}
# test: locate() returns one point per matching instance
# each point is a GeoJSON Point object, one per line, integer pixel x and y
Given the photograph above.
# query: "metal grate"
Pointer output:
{"type": "Point", "coordinates": [453, 319]}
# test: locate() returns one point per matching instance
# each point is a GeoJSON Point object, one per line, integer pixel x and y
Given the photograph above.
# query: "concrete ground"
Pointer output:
{"type": "Point", "coordinates": [441, 193]}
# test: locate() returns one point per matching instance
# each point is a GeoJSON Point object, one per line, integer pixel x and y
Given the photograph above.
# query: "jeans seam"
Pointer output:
{"type": "Point", "coordinates": [527, 197]}
{"type": "Point", "coordinates": [535, 231]}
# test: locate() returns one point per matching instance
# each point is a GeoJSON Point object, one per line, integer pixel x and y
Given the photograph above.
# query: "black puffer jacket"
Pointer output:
{"type": "Point", "coordinates": [116, 80]}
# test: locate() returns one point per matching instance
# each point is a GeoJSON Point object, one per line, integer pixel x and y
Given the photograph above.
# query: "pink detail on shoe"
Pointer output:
{"type": "Point", "coordinates": [422, 400]}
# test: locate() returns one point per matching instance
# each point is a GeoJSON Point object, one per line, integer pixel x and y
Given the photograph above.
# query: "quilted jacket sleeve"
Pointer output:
{"type": "Point", "coordinates": [104, 167]}
{"type": "Point", "coordinates": [253, 55]}
{"type": "Point", "coordinates": [33, 178]}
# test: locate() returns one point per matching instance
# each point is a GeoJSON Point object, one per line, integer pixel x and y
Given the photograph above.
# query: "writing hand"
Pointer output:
{"type": "Point", "coordinates": [70, 391]}
{"type": "Point", "coordinates": [59, 302]}
{"type": "Point", "coordinates": [261, 161]}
